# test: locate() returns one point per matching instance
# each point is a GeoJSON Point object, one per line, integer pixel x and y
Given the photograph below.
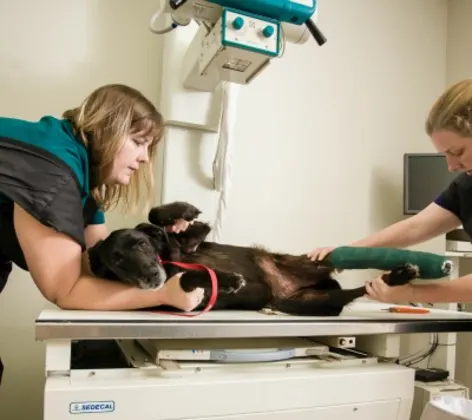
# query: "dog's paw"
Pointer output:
{"type": "Point", "coordinates": [413, 270]}
{"type": "Point", "coordinates": [402, 275]}
{"type": "Point", "coordinates": [232, 283]}
{"type": "Point", "coordinates": [168, 214]}
{"type": "Point", "coordinates": [270, 311]}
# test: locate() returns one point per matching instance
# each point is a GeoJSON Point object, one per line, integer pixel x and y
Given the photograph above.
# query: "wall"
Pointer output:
{"type": "Point", "coordinates": [51, 58]}
{"type": "Point", "coordinates": [459, 66]}
{"type": "Point", "coordinates": [320, 135]}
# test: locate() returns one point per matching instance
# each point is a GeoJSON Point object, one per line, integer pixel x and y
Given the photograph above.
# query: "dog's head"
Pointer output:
{"type": "Point", "coordinates": [132, 256]}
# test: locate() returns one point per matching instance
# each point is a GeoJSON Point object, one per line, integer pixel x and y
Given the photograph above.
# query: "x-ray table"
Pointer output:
{"type": "Point", "coordinates": [232, 365]}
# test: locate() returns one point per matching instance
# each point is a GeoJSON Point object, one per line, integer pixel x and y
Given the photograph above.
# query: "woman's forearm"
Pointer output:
{"type": "Point", "coordinates": [453, 291]}
{"type": "Point", "coordinates": [398, 235]}
{"type": "Point", "coordinates": [429, 223]}
{"type": "Point", "coordinates": [92, 293]}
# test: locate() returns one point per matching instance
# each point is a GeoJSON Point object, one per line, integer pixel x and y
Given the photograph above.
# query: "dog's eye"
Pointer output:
{"type": "Point", "coordinates": [141, 244]}
{"type": "Point", "coordinates": [117, 258]}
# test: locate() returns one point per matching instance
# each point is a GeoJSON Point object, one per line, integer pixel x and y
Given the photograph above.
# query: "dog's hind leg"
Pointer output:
{"type": "Point", "coordinates": [401, 275]}
{"type": "Point", "coordinates": [323, 302]}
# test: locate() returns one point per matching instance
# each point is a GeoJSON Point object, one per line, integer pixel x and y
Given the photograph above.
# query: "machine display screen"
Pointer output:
{"type": "Point", "coordinates": [425, 176]}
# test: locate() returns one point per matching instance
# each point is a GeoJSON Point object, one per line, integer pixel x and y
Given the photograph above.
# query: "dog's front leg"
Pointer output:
{"type": "Point", "coordinates": [168, 214]}
{"type": "Point", "coordinates": [191, 280]}
{"type": "Point", "coordinates": [228, 283]}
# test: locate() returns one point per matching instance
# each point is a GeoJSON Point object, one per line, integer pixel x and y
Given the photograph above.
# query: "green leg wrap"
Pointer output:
{"type": "Point", "coordinates": [429, 265]}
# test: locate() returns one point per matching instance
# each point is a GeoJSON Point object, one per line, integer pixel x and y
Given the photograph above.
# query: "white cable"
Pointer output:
{"type": "Point", "coordinates": [162, 31]}
{"type": "Point", "coordinates": [223, 161]}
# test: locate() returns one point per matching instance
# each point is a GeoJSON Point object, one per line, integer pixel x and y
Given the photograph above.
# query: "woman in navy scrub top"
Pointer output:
{"type": "Point", "coordinates": [449, 125]}
{"type": "Point", "coordinates": [57, 178]}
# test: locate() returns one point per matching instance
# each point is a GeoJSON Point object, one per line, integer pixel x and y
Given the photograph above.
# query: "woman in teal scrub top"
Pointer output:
{"type": "Point", "coordinates": [58, 176]}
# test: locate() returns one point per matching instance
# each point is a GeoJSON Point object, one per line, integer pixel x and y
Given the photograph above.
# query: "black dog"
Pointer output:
{"type": "Point", "coordinates": [249, 278]}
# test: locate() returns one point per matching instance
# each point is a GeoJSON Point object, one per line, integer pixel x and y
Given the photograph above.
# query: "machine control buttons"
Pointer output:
{"type": "Point", "coordinates": [238, 23]}
{"type": "Point", "coordinates": [268, 31]}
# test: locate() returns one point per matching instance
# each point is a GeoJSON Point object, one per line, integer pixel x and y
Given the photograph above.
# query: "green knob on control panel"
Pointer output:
{"type": "Point", "coordinates": [268, 31]}
{"type": "Point", "coordinates": [238, 23]}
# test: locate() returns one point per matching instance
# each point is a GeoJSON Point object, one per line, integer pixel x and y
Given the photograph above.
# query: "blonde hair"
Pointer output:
{"type": "Point", "coordinates": [102, 121]}
{"type": "Point", "coordinates": [452, 111]}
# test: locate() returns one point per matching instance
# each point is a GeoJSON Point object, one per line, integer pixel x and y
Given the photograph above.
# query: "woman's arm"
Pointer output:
{"type": "Point", "coordinates": [94, 233]}
{"type": "Point", "coordinates": [430, 222]}
{"type": "Point", "coordinates": [56, 265]}
{"type": "Point", "coordinates": [454, 291]}
{"type": "Point", "coordinates": [458, 290]}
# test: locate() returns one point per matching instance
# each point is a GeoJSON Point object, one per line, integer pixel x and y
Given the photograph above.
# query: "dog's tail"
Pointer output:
{"type": "Point", "coordinates": [324, 303]}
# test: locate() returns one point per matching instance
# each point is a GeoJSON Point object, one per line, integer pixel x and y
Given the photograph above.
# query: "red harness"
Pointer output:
{"type": "Point", "coordinates": [214, 287]}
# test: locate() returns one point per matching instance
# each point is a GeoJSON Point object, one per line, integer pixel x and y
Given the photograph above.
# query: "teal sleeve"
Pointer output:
{"type": "Point", "coordinates": [98, 218]}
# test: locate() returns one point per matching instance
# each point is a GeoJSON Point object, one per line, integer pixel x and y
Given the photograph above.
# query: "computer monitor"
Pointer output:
{"type": "Point", "coordinates": [425, 176]}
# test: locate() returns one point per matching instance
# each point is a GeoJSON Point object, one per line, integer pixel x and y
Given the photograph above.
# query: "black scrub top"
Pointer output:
{"type": "Point", "coordinates": [44, 168]}
{"type": "Point", "coordinates": [457, 198]}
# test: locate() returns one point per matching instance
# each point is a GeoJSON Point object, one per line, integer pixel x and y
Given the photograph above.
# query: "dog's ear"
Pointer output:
{"type": "Point", "coordinates": [156, 233]}
{"type": "Point", "coordinates": [98, 261]}
{"type": "Point", "coordinates": [193, 236]}
{"type": "Point", "coordinates": [165, 244]}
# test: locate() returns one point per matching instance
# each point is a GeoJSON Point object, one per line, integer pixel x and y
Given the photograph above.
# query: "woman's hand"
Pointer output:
{"type": "Point", "coordinates": [180, 226]}
{"type": "Point", "coordinates": [173, 295]}
{"type": "Point", "coordinates": [319, 254]}
{"type": "Point", "coordinates": [382, 292]}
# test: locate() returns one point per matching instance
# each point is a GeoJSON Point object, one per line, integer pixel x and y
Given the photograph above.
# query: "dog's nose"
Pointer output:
{"type": "Point", "coordinates": [154, 271]}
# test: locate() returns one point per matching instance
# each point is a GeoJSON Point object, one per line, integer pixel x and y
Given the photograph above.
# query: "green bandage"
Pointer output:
{"type": "Point", "coordinates": [430, 266]}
